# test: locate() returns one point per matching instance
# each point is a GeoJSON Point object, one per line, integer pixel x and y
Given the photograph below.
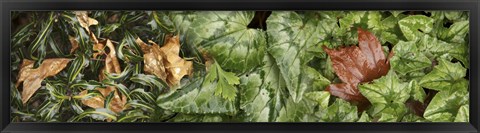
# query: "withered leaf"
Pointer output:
{"type": "Point", "coordinates": [116, 105]}
{"type": "Point", "coordinates": [153, 59]}
{"type": "Point", "coordinates": [165, 62]}
{"type": "Point", "coordinates": [111, 66]}
{"type": "Point", "coordinates": [33, 77]}
{"type": "Point", "coordinates": [74, 44]}
{"type": "Point", "coordinates": [357, 64]}
{"type": "Point", "coordinates": [84, 20]}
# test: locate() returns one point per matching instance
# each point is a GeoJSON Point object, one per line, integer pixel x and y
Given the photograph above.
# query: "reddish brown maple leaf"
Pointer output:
{"type": "Point", "coordinates": [357, 64]}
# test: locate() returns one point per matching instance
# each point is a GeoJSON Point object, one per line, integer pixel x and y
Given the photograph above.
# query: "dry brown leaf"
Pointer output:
{"type": "Point", "coordinates": [153, 59]}
{"type": "Point", "coordinates": [32, 77]}
{"type": "Point", "coordinates": [84, 20]}
{"type": "Point", "coordinates": [74, 44]}
{"type": "Point", "coordinates": [116, 105]}
{"type": "Point", "coordinates": [165, 62]}
{"type": "Point", "coordinates": [355, 65]}
{"type": "Point", "coordinates": [111, 66]}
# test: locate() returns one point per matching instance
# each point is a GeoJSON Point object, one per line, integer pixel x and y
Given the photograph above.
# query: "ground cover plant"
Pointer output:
{"type": "Point", "coordinates": [239, 66]}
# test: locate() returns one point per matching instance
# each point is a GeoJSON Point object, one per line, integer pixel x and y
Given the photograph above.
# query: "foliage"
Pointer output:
{"type": "Point", "coordinates": [221, 66]}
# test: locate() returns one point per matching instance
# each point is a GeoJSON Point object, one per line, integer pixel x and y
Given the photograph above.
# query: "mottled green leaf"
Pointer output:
{"type": "Point", "coordinates": [408, 58]}
{"type": "Point", "coordinates": [446, 104]}
{"type": "Point", "coordinates": [443, 76]}
{"type": "Point", "coordinates": [225, 36]}
{"type": "Point", "coordinates": [411, 25]}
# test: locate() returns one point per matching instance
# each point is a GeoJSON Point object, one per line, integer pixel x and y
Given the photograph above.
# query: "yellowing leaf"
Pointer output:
{"type": "Point", "coordinates": [116, 105]}
{"type": "Point", "coordinates": [84, 20]}
{"type": "Point", "coordinates": [32, 77]}
{"type": "Point", "coordinates": [164, 62]}
{"type": "Point", "coordinates": [74, 44]}
{"type": "Point", "coordinates": [111, 66]}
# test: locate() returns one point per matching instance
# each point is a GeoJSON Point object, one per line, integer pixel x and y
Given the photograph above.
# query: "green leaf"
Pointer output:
{"type": "Point", "coordinates": [196, 98]}
{"type": "Point", "coordinates": [321, 97]}
{"type": "Point", "coordinates": [197, 118]}
{"type": "Point", "coordinates": [446, 104]}
{"type": "Point", "coordinates": [275, 85]}
{"type": "Point", "coordinates": [444, 76]}
{"type": "Point", "coordinates": [222, 81]}
{"type": "Point", "coordinates": [408, 58]}
{"type": "Point", "coordinates": [411, 24]}
{"type": "Point", "coordinates": [417, 92]}
{"type": "Point", "coordinates": [254, 99]}
{"type": "Point", "coordinates": [100, 114]}
{"type": "Point", "coordinates": [364, 117]}
{"type": "Point", "coordinates": [339, 111]}
{"type": "Point", "coordinates": [41, 38]}
{"type": "Point", "coordinates": [385, 92]}
{"type": "Point", "coordinates": [172, 21]}
{"type": "Point", "coordinates": [301, 111]}
{"type": "Point", "coordinates": [294, 34]}
{"type": "Point", "coordinates": [226, 37]}
{"type": "Point", "coordinates": [462, 114]}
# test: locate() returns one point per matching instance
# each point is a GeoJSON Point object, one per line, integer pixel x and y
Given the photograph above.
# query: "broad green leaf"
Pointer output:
{"type": "Point", "coordinates": [321, 97]}
{"type": "Point", "coordinates": [408, 58]}
{"type": "Point", "coordinates": [447, 103]}
{"type": "Point", "coordinates": [196, 98]}
{"type": "Point", "coordinates": [444, 76]}
{"type": "Point", "coordinates": [413, 118]}
{"type": "Point", "coordinates": [294, 34]}
{"type": "Point", "coordinates": [417, 92]}
{"type": "Point", "coordinates": [339, 111]}
{"type": "Point", "coordinates": [411, 25]}
{"type": "Point", "coordinates": [197, 118]}
{"type": "Point", "coordinates": [385, 92]}
{"type": "Point", "coordinates": [172, 21]}
{"type": "Point", "coordinates": [275, 85]}
{"type": "Point", "coordinates": [394, 112]}
{"type": "Point", "coordinates": [226, 37]}
{"type": "Point", "coordinates": [301, 111]}
{"type": "Point", "coordinates": [254, 99]}
{"type": "Point", "coordinates": [462, 114]}
{"type": "Point", "coordinates": [364, 117]}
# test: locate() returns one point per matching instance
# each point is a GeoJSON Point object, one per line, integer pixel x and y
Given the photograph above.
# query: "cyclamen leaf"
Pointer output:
{"type": "Point", "coordinates": [339, 111]}
{"type": "Point", "coordinates": [224, 81]}
{"type": "Point", "coordinates": [443, 76]}
{"type": "Point", "coordinates": [196, 98]}
{"type": "Point", "coordinates": [385, 92]}
{"type": "Point", "coordinates": [411, 24]}
{"type": "Point", "coordinates": [254, 99]}
{"type": "Point", "coordinates": [417, 92]}
{"type": "Point", "coordinates": [408, 58]}
{"type": "Point", "coordinates": [296, 111]}
{"type": "Point", "coordinates": [462, 115]}
{"type": "Point", "coordinates": [294, 34]}
{"type": "Point", "coordinates": [226, 37]}
{"type": "Point", "coordinates": [275, 85]}
{"type": "Point", "coordinates": [172, 21]}
{"type": "Point", "coordinates": [321, 97]}
{"type": "Point", "coordinates": [364, 117]}
{"type": "Point", "coordinates": [446, 104]}
{"type": "Point", "coordinates": [439, 47]}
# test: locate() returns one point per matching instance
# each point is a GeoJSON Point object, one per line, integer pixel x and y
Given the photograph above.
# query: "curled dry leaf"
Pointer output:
{"type": "Point", "coordinates": [111, 66]}
{"type": "Point", "coordinates": [32, 77]}
{"type": "Point", "coordinates": [356, 64]}
{"type": "Point", "coordinates": [84, 20]}
{"type": "Point", "coordinates": [165, 62]}
{"type": "Point", "coordinates": [74, 44]}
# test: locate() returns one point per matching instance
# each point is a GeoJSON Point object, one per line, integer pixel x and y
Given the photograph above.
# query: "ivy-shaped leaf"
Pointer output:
{"type": "Point", "coordinates": [386, 94]}
{"type": "Point", "coordinates": [447, 103]}
{"type": "Point", "coordinates": [196, 98]}
{"type": "Point", "coordinates": [444, 76]}
{"type": "Point", "coordinates": [408, 58]}
{"type": "Point", "coordinates": [254, 99]}
{"type": "Point", "coordinates": [411, 25]}
{"type": "Point", "coordinates": [339, 111]}
{"type": "Point", "coordinates": [294, 34]}
{"type": "Point", "coordinates": [226, 37]}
